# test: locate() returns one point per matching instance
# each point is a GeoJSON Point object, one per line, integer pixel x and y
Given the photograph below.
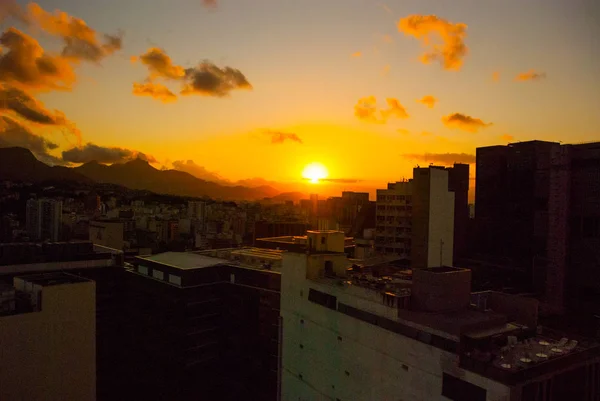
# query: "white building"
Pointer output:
{"type": "Point", "coordinates": [415, 219]}
{"type": "Point", "coordinates": [44, 219]}
{"type": "Point", "coordinates": [351, 337]}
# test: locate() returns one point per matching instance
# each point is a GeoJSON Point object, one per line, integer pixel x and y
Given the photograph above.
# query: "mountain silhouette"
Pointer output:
{"type": "Point", "coordinates": [19, 164]}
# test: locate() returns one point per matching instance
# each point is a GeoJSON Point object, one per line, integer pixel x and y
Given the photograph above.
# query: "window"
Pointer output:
{"type": "Point", "coordinates": [321, 298]}
{"type": "Point", "coordinates": [460, 390]}
{"type": "Point", "coordinates": [157, 274]}
{"type": "Point", "coordinates": [322, 240]}
{"type": "Point", "coordinates": [143, 270]}
{"type": "Point", "coordinates": [173, 279]}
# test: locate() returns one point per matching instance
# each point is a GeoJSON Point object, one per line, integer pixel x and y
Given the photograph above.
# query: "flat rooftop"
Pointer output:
{"type": "Point", "coordinates": [54, 278]}
{"type": "Point", "coordinates": [185, 260]}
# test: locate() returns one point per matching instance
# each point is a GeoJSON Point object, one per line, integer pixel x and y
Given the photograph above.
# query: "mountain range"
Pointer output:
{"type": "Point", "coordinates": [19, 164]}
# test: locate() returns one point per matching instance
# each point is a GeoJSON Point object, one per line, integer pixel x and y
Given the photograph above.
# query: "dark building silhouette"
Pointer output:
{"type": "Point", "coordinates": [264, 229]}
{"type": "Point", "coordinates": [458, 182]}
{"type": "Point", "coordinates": [202, 328]}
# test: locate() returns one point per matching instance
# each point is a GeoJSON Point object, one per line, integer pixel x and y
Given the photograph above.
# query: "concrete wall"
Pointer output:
{"type": "Point", "coordinates": [441, 220]}
{"type": "Point", "coordinates": [51, 355]}
{"type": "Point", "coordinates": [107, 233]}
{"type": "Point", "coordinates": [328, 355]}
{"type": "Point", "coordinates": [438, 292]}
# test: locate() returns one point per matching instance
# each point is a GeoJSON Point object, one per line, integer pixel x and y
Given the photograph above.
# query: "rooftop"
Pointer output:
{"type": "Point", "coordinates": [185, 260]}
{"type": "Point", "coordinates": [54, 278]}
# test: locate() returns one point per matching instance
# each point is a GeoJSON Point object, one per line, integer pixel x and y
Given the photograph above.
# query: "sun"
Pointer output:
{"type": "Point", "coordinates": [315, 172]}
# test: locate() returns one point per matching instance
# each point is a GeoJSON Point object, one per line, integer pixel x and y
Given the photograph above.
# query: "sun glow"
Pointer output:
{"type": "Point", "coordinates": [315, 172]}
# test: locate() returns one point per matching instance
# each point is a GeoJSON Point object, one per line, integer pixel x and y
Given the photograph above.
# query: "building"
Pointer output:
{"type": "Point", "coordinates": [458, 182]}
{"type": "Point", "coordinates": [48, 339]}
{"type": "Point", "coordinates": [351, 336]}
{"type": "Point", "coordinates": [415, 219]}
{"type": "Point", "coordinates": [197, 210]}
{"type": "Point", "coordinates": [109, 233]}
{"type": "Point", "coordinates": [263, 229]}
{"type": "Point", "coordinates": [93, 262]}
{"type": "Point", "coordinates": [201, 327]}
{"type": "Point", "coordinates": [43, 219]}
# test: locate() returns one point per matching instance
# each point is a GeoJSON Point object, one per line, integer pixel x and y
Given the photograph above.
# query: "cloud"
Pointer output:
{"type": "Point", "coordinates": [278, 137]}
{"type": "Point", "coordinates": [196, 170]}
{"type": "Point", "coordinates": [366, 110]}
{"type": "Point", "coordinates": [426, 133]}
{"type": "Point", "coordinates": [507, 138]}
{"type": "Point", "coordinates": [26, 65]}
{"type": "Point", "coordinates": [450, 52]}
{"type": "Point", "coordinates": [530, 75]}
{"type": "Point", "coordinates": [403, 131]}
{"type": "Point", "coordinates": [496, 76]}
{"type": "Point", "coordinates": [442, 158]}
{"type": "Point", "coordinates": [102, 154]}
{"type": "Point", "coordinates": [428, 101]}
{"type": "Point", "coordinates": [154, 90]}
{"type": "Point", "coordinates": [209, 80]}
{"type": "Point", "coordinates": [386, 70]}
{"type": "Point", "coordinates": [32, 110]}
{"type": "Point", "coordinates": [464, 122]}
{"type": "Point", "coordinates": [357, 54]}
{"type": "Point", "coordinates": [209, 3]}
{"type": "Point", "coordinates": [387, 38]}
{"type": "Point", "coordinates": [160, 64]}
{"type": "Point", "coordinates": [206, 79]}
{"type": "Point", "coordinates": [80, 41]}
{"type": "Point", "coordinates": [340, 180]}
{"type": "Point", "coordinates": [395, 109]}
{"type": "Point", "coordinates": [14, 134]}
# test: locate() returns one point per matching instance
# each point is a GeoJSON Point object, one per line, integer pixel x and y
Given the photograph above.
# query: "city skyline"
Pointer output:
{"type": "Point", "coordinates": [257, 94]}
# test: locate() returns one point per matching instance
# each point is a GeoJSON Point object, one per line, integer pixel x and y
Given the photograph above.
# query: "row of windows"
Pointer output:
{"type": "Point", "coordinates": [391, 208]}
{"type": "Point", "coordinates": [159, 275]}
{"type": "Point", "coordinates": [407, 198]}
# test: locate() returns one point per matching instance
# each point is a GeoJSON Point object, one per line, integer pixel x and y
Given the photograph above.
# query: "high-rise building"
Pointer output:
{"type": "Point", "coordinates": [197, 210]}
{"type": "Point", "coordinates": [43, 219]}
{"type": "Point", "coordinates": [202, 327]}
{"type": "Point", "coordinates": [458, 182]}
{"type": "Point", "coordinates": [350, 336]}
{"type": "Point", "coordinates": [415, 219]}
{"type": "Point", "coordinates": [48, 339]}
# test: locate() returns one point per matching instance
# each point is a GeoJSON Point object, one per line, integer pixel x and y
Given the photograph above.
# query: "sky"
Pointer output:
{"type": "Point", "coordinates": [239, 89]}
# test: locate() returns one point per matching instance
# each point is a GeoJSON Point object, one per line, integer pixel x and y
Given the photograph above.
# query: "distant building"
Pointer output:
{"type": "Point", "coordinates": [109, 233]}
{"type": "Point", "coordinates": [352, 336]}
{"type": "Point", "coordinates": [197, 210]}
{"type": "Point", "coordinates": [204, 328]}
{"type": "Point", "coordinates": [44, 219]}
{"type": "Point", "coordinates": [49, 339]}
{"type": "Point", "coordinates": [264, 229]}
{"type": "Point", "coordinates": [415, 219]}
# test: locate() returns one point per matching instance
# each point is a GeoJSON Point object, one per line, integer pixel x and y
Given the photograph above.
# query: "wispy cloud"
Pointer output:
{"type": "Point", "coordinates": [464, 122]}
{"type": "Point", "coordinates": [357, 54]}
{"type": "Point", "coordinates": [403, 131]}
{"type": "Point", "coordinates": [507, 138]}
{"type": "Point", "coordinates": [366, 110]}
{"type": "Point", "coordinates": [278, 137]}
{"type": "Point", "coordinates": [154, 90]}
{"type": "Point", "coordinates": [530, 75]}
{"type": "Point", "coordinates": [190, 167]}
{"type": "Point", "coordinates": [428, 101]}
{"type": "Point", "coordinates": [496, 76]}
{"type": "Point", "coordinates": [385, 71]}
{"type": "Point", "coordinates": [450, 52]}
{"type": "Point", "coordinates": [209, 3]}
{"type": "Point", "coordinates": [442, 158]}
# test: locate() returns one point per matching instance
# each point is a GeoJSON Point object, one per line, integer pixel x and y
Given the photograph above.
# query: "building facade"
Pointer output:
{"type": "Point", "coordinates": [415, 219]}
{"type": "Point", "coordinates": [48, 339]}
{"type": "Point", "coordinates": [43, 219]}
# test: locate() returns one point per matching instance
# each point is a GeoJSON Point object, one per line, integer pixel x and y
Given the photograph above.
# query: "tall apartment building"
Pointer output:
{"type": "Point", "coordinates": [197, 210]}
{"type": "Point", "coordinates": [82, 259]}
{"type": "Point", "coordinates": [537, 206]}
{"type": "Point", "coordinates": [48, 338]}
{"type": "Point", "coordinates": [350, 336]}
{"type": "Point", "coordinates": [43, 219]}
{"type": "Point", "coordinates": [203, 328]}
{"type": "Point", "coordinates": [415, 219]}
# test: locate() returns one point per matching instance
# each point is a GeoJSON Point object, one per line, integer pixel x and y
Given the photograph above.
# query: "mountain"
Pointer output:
{"type": "Point", "coordinates": [139, 174]}
{"type": "Point", "coordinates": [19, 164]}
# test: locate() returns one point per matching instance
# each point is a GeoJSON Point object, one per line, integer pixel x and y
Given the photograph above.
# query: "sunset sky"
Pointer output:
{"type": "Point", "coordinates": [329, 81]}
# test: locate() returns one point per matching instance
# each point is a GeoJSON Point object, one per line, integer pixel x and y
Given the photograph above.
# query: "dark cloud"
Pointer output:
{"type": "Point", "coordinates": [530, 75]}
{"type": "Point", "coordinates": [278, 137]}
{"type": "Point", "coordinates": [450, 52]}
{"type": "Point", "coordinates": [154, 90]}
{"type": "Point", "coordinates": [196, 170]}
{"type": "Point", "coordinates": [209, 80]}
{"type": "Point", "coordinates": [442, 158]}
{"type": "Point", "coordinates": [80, 41]}
{"type": "Point", "coordinates": [206, 79]}
{"type": "Point", "coordinates": [26, 65]}
{"type": "Point", "coordinates": [14, 134]}
{"type": "Point", "coordinates": [102, 154]}
{"type": "Point", "coordinates": [464, 122]}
